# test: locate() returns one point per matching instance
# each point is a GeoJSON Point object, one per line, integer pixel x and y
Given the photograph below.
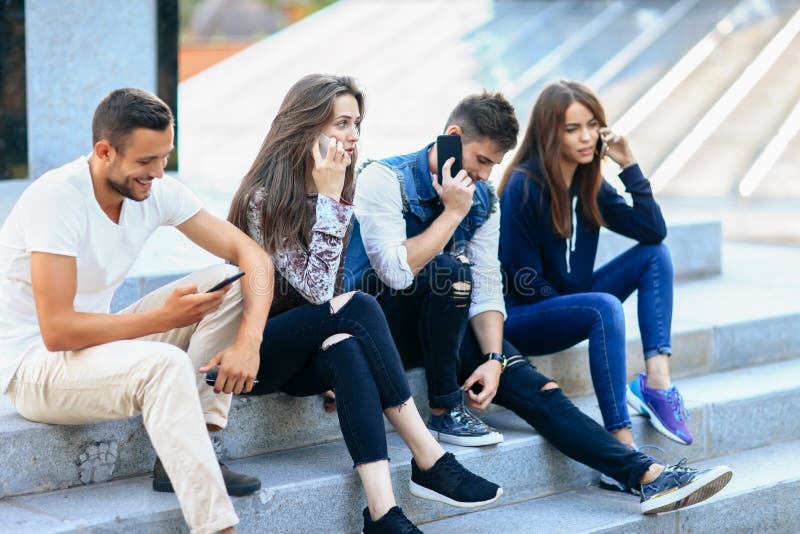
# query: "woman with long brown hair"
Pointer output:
{"type": "Point", "coordinates": [554, 201]}
{"type": "Point", "coordinates": [296, 202]}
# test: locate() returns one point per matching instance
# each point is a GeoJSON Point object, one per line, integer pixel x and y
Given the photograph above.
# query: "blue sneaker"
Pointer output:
{"type": "Point", "coordinates": [679, 486]}
{"type": "Point", "coordinates": [459, 427]}
{"type": "Point", "coordinates": [663, 407]}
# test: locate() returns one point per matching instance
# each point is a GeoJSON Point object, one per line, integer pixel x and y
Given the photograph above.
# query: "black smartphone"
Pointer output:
{"type": "Point", "coordinates": [229, 280]}
{"type": "Point", "coordinates": [211, 377]}
{"type": "Point", "coordinates": [600, 146]}
{"type": "Point", "coordinates": [448, 146]}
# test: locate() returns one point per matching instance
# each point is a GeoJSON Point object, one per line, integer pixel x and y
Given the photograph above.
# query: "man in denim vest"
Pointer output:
{"type": "Point", "coordinates": [433, 250]}
{"type": "Point", "coordinates": [428, 251]}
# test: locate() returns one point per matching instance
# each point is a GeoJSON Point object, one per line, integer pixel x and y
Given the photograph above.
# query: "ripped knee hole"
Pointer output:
{"type": "Point", "coordinates": [340, 301]}
{"type": "Point", "coordinates": [550, 385]}
{"type": "Point", "coordinates": [334, 339]}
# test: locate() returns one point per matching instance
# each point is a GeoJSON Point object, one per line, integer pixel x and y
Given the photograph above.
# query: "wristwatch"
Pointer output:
{"type": "Point", "coordinates": [496, 356]}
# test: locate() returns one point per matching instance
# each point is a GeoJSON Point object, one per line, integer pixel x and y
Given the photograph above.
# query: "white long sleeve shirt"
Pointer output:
{"type": "Point", "coordinates": [379, 210]}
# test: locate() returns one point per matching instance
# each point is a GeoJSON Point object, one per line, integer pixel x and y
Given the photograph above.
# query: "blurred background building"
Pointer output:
{"type": "Point", "coordinates": [707, 91]}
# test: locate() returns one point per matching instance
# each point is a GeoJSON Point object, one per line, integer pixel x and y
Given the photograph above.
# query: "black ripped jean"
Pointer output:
{"type": "Point", "coordinates": [427, 319]}
{"type": "Point", "coordinates": [365, 369]}
{"type": "Point", "coordinates": [424, 321]}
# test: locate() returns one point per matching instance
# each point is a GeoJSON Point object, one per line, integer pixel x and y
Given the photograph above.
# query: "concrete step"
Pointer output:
{"type": "Point", "coordinates": [655, 137]}
{"type": "Point", "coordinates": [45, 457]}
{"type": "Point", "coordinates": [168, 255]}
{"type": "Point", "coordinates": [745, 317]}
{"type": "Point", "coordinates": [763, 496]}
{"type": "Point", "coordinates": [623, 90]}
{"type": "Point", "coordinates": [299, 483]}
{"type": "Point", "coordinates": [720, 162]}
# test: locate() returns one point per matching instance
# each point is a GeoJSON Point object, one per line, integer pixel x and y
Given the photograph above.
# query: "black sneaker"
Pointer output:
{"type": "Point", "coordinates": [451, 483]}
{"type": "Point", "coordinates": [237, 484]}
{"type": "Point", "coordinates": [393, 522]}
{"type": "Point", "coordinates": [680, 486]}
{"type": "Point", "coordinates": [459, 427]}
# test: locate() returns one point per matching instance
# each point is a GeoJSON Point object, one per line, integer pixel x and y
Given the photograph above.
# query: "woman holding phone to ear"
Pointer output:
{"type": "Point", "coordinates": [296, 202]}
{"type": "Point", "coordinates": [554, 201]}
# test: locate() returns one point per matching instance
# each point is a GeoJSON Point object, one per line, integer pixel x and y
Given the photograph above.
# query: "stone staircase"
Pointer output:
{"type": "Point", "coordinates": [735, 362]}
{"type": "Point", "coordinates": [736, 358]}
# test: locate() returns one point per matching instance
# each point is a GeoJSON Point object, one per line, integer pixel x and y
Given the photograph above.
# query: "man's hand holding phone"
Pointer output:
{"type": "Point", "coordinates": [329, 166]}
{"type": "Point", "coordinates": [234, 369]}
{"type": "Point", "coordinates": [455, 191]}
{"type": "Point", "coordinates": [185, 306]}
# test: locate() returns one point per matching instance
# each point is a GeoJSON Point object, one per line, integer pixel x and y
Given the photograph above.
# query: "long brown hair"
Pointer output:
{"type": "Point", "coordinates": [542, 142]}
{"type": "Point", "coordinates": [284, 161]}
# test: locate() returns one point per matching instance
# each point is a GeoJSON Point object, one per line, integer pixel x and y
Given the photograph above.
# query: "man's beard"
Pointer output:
{"type": "Point", "coordinates": [122, 188]}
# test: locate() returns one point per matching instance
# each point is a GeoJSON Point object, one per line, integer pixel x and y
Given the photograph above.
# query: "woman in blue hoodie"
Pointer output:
{"type": "Point", "coordinates": [554, 201]}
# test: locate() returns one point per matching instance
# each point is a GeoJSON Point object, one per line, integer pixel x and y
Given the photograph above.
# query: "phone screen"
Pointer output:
{"type": "Point", "coordinates": [448, 146]}
{"type": "Point", "coordinates": [324, 142]}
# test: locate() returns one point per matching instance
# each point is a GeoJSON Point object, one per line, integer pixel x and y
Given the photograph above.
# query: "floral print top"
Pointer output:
{"type": "Point", "coordinates": [307, 276]}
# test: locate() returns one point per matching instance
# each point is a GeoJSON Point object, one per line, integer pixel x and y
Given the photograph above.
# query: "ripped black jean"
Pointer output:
{"type": "Point", "coordinates": [365, 370]}
{"type": "Point", "coordinates": [556, 418]}
{"type": "Point", "coordinates": [426, 318]}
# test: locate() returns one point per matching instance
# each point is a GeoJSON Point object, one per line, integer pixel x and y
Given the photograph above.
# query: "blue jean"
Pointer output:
{"type": "Point", "coordinates": [560, 322]}
{"type": "Point", "coordinates": [365, 369]}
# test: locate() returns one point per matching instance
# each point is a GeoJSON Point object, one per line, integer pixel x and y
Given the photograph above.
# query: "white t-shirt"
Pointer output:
{"type": "Point", "coordinates": [59, 214]}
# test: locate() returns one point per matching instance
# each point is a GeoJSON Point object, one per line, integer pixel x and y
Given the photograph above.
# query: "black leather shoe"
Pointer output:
{"type": "Point", "coordinates": [237, 484]}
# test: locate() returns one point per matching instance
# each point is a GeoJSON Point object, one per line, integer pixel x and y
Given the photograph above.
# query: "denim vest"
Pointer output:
{"type": "Point", "coordinates": [421, 206]}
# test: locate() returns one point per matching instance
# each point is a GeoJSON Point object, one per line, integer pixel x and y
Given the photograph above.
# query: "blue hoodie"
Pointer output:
{"type": "Point", "coordinates": [538, 263]}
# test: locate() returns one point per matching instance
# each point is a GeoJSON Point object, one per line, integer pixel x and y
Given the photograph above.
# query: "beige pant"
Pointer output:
{"type": "Point", "coordinates": [151, 376]}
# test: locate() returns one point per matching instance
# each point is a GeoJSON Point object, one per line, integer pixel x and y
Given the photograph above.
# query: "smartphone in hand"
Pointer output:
{"type": "Point", "coordinates": [211, 377]}
{"type": "Point", "coordinates": [448, 146]}
{"type": "Point", "coordinates": [324, 142]}
{"type": "Point", "coordinates": [229, 280]}
{"type": "Point", "coordinates": [600, 146]}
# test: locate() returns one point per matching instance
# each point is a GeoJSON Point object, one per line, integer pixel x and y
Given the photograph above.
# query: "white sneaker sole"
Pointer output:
{"type": "Point", "coordinates": [424, 493]}
{"type": "Point", "coordinates": [637, 404]}
{"type": "Point", "coordinates": [492, 438]}
{"type": "Point", "coordinates": [697, 491]}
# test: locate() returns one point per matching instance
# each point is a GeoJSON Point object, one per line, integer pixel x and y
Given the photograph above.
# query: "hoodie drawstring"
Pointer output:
{"type": "Point", "coordinates": [574, 237]}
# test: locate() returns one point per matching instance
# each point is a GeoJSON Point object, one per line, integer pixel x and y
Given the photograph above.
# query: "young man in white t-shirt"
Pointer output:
{"type": "Point", "coordinates": [64, 359]}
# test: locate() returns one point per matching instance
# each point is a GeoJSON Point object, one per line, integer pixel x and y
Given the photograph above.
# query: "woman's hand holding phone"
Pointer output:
{"type": "Point", "coordinates": [616, 148]}
{"type": "Point", "coordinates": [329, 167]}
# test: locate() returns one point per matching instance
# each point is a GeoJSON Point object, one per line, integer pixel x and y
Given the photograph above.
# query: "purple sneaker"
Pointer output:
{"type": "Point", "coordinates": [664, 408]}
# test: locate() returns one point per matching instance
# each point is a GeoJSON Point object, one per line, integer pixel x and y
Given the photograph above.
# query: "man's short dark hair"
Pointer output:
{"type": "Point", "coordinates": [486, 115]}
{"type": "Point", "coordinates": [124, 110]}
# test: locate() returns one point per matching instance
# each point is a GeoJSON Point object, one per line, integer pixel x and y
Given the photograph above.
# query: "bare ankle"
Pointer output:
{"type": "Point", "coordinates": [657, 369]}
{"type": "Point", "coordinates": [652, 473]}
{"type": "Point", "coordinates": [625, 436]}
{"type": "Point", "coordinates": [437, 411]}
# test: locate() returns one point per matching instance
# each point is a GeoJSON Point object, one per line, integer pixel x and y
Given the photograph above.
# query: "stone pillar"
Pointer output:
{"type": "Point", "coordinates": [77, 52]}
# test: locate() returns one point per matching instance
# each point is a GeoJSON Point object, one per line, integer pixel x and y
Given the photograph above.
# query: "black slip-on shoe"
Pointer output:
{"type": "Point", "coordinates": [237, 484]}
